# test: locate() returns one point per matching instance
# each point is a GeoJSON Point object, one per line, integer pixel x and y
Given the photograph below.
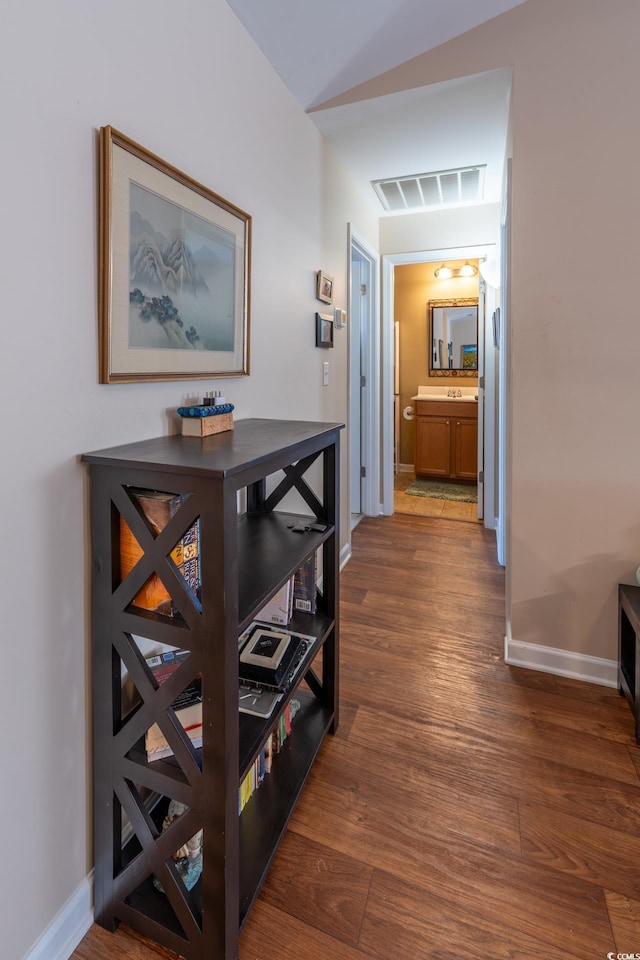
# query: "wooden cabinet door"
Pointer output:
{"type": "Point", "coordinates": [465, 465]}
{"type": "Point", "coordinates": [433, 446]}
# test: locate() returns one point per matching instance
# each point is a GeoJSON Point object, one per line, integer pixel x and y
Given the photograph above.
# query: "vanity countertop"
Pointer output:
{"type": "Point", "coordinates": [440, 393]}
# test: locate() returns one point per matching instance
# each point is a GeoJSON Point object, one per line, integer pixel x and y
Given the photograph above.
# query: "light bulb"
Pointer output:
{"type": "Point", "coordinates": [468, 270]}
{"type": "Point", "coordinates": [443, 273]}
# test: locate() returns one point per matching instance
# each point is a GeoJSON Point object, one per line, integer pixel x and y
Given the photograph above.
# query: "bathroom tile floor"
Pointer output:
{"type": "Point", "coordinates": [427, 507]}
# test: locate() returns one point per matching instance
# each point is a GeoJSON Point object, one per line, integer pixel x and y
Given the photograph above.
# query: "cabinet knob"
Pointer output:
{"type": "Point", "coordinates": [447, 423]}
{"type": "Point", "coordinates": [458, 424]}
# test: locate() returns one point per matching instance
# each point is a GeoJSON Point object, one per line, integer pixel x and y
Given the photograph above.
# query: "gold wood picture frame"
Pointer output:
{"type": "Point", "coordinates": [174, 272]}
{"type": "Point", "coordinates": [324, 287]}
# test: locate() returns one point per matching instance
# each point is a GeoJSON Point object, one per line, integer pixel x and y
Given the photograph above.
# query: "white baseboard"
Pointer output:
{"type": "Point", "coordinates": [67, 929]}
{"type": "Point", "coordinates": [405, 468]}
{"type": "Point", "coordinates": [345, 555]}
{"type": "Point", "coordinates": [562, 663]}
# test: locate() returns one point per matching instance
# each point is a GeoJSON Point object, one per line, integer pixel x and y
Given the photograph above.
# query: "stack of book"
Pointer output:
{"type": "Point", "coordinates": [187, 706]}
{"type": "Point", "coordinates": [298, 593]}
{"type": "Point", "coordinates": [158, 507]}
{"type": "Point", "coordinates": [263, 762]}
{"type": "Point", "coordinates": [270, 659]}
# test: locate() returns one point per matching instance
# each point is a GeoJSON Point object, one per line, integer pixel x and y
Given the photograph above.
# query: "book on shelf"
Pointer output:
{"type": "Point", "coordinates": [304, 585]}
{"type": "Point", "coordinates": [158, 507]}
{"type": "Point", "coordinates": [162, 665]}
{"type": "Point", "coordinates": [263, 763]}
{"type": "Point", "coordinates": [157, 745]}
{"type": "Point", "coordinates": [187, 705]}
{"type": "Point", "coordinates": [280, 607]}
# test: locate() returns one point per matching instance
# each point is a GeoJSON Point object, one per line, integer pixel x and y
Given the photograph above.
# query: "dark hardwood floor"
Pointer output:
{"type": "Point", "coordinates": [465, 810]}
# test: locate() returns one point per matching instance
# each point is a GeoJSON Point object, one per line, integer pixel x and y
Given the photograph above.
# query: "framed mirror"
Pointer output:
{"type": "Point", "coordinates": [453, 337]}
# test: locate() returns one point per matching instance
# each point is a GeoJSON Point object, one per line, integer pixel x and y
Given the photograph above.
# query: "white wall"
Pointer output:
{"type": "Point", "coordinates": [574, 462]}
{"type": "Point", "coordinates": [441, 229]}
{"type": "Point", "coordinates": [185, 81]}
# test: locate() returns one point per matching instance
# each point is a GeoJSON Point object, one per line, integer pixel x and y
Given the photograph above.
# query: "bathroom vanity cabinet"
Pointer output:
{"type": "Point", "coordinates": [446, 441]}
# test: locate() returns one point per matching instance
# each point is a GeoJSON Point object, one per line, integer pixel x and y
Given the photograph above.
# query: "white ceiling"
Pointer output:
{"type": "Point", "coordinates": [439, 127]}
{"type": "Point", "coordinates": [321, 51]}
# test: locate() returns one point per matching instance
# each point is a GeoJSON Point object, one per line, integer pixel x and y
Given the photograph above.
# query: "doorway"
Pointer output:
{"type": "Point", "coordinates": [364, 379]}
{"type": "Point", "coordinates": [484, 509]}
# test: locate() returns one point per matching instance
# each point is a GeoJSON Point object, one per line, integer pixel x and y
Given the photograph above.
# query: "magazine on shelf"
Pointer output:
{"type": "Point", "coordinates": [257, 701]}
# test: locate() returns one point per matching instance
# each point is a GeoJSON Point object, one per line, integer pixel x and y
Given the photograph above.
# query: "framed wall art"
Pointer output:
{"type": "Point", "coordinates": [324, 287]}
{"type": "Point", "coordinates": [469, 356]}
{"type": "Point", "coordinates": [174, 271]}
{"type": "Point", "coordinates": [324, 331]}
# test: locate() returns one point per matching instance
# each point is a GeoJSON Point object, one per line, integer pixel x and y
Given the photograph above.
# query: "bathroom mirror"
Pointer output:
{"type": "Point", "coordinates": [453, 338]}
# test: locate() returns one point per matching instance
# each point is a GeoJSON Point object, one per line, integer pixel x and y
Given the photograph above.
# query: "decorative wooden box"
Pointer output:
{"type": "Point", "coordinates": [205, 426]}
{"type": "Point", "coordinates": [206, 418]}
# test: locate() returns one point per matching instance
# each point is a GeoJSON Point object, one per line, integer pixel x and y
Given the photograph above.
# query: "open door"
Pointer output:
{"type": "Point", "coordinates": [364, 379]}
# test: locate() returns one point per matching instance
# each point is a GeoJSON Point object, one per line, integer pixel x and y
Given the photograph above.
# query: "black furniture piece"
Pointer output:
{"type": "Point", "coordinates": [629, 649]}
{"type": "Point", "coordinates": [232, 482]}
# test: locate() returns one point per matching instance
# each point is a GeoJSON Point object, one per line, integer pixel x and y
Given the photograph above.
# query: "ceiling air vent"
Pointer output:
{"type": "Point", "coordinates": [443, 188]}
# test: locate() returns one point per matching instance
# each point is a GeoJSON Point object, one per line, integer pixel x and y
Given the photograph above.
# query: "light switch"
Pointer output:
{"type": "Point", "coordinates": [325, 373]}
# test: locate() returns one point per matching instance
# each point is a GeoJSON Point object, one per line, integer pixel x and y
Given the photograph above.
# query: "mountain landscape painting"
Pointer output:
{"type": "Point", "coordinates": [182, 279]}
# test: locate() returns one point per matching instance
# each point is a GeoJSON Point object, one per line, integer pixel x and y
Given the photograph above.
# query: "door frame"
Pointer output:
{"type": "Point", "coordinates": [503, 530]}
{"type": "Point", "coordinates": [389, 262]}
{"type": "Point", "coordinates": [369, 426]}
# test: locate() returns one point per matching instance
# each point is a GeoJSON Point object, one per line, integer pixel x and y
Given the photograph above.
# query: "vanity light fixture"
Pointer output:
{"type": "Point", "coordinates": [448, 273]}
{"type": "Point", "coordinates": [490, 272]}
{"type": "Point", "coordinates": [443, 273]}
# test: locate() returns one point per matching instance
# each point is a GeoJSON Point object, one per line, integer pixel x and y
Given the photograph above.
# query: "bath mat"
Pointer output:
{"type": "Point", "coordinates": [443, 491]}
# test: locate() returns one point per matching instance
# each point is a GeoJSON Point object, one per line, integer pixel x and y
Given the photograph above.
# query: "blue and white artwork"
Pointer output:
{"type": "Point", "coordinates": [182, 277]}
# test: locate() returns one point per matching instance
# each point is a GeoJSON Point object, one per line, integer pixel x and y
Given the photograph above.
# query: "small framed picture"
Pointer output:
{"type": "Point", "coordinates": [324, 287]}
{"type": "Point", "coordinates": [324, 330]}
{"type": "Point", "coordinates": [469, 356]}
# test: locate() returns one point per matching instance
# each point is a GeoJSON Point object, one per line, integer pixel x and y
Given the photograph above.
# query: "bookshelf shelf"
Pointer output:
{"type": "Point", "coordinates": [267, 543]}
{"type": "Point", "coordinates": [265, 817]}
{"type": "Point", "coordinates": [246, 554]}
